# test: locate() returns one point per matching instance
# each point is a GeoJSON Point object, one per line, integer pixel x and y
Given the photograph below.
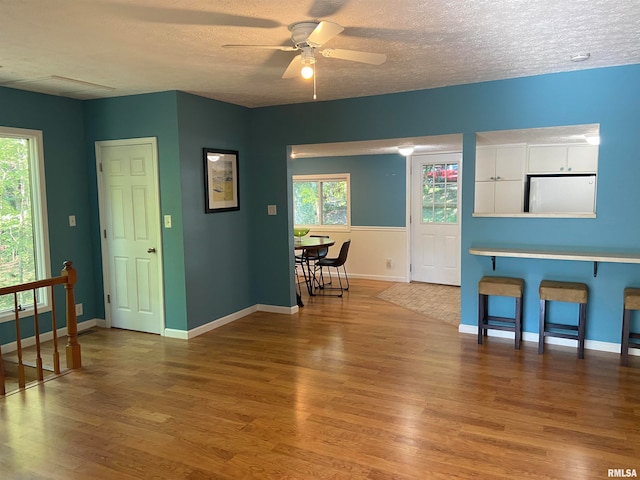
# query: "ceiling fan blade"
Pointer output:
{"type": "Point", "coordinates": [191, 17]}
{"type": "Point", "coordinates": [324, 32]}
{"type": "Point", "coordinates": [325, 8]}
{"type": "Point", "coordinates": [294, 67]}
{"type": "Point", "coordinates": [264, 47]}
{"type": "Point", "coordinates": [354, 56]}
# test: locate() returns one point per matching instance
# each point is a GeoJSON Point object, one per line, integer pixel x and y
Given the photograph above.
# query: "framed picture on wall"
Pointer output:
{"type": "Point", "coordinates": [221, 184]}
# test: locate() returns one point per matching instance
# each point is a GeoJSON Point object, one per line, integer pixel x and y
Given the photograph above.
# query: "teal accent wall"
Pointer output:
{"type": "Point", "coordinates": [216, 245]}
{"type": "Point", "coordinates": [205, 260]}
{"type": "Point", "coordinates": [152, 115]}
{"type": "Point", "coordinates": [607, 96]}
{"type": "Point", "coordinates": [378, 185]}
{"type": "Point", "coordinates": [216, 264]}
{"type": "Point", "coordinates": [61, 121]}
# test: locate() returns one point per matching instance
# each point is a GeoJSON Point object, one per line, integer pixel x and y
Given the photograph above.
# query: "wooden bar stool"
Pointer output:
{"type": "Point", "coordinates": [502, 287]}
{"type": "Point", "coordinates": [631, 302]}
{"type": "Point", "coordinates": [563, 292]}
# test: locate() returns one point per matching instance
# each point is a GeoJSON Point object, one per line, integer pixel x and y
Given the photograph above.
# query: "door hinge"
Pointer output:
{"type": "Point", "coordinates": [100, 166]}
{"type": "Point", "coordinates": [108, 298]}
{"type": "Point", "coordinates": [105, 233]}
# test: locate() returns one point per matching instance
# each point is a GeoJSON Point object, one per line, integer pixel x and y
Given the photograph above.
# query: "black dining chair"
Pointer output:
{"type": "Point", "coordinates": [336, 263]}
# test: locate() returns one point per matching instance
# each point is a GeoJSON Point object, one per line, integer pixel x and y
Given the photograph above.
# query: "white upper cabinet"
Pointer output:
{"type": "Point", "coordinates": [582, 158]}
{"type": "Point", "coordinates": [563, 159]}
{"type": "Point", "coordinates": [500, 163]}
{"type": "Point", "coordinates": [499, 184]}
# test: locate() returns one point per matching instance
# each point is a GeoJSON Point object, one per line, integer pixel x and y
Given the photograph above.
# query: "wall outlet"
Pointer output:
{"type": "Point", "coordinates": [272, 210]}
{"type": "Point", "coordinates": [72, 220]}
{"type": "Point", "coordinates": [389, 263]}
{"type": "Point", "coordinates": [78, 309]}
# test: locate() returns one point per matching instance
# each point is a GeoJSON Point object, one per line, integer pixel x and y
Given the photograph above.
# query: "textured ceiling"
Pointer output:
{"type": "Point", "coordinates": [106, 48]}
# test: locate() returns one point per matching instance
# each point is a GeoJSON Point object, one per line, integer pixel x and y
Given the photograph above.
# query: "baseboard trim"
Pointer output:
{"type": "Point", "coordinates": [46, 336]}
{"type": "Point", "coordinates": [277, 309]}
{"type": "Point", "coordinates": [207, 327]}
{"type": "Point", "coordinates": [565, 342]}
{"type": "Point", "coordinates": [381, 278]}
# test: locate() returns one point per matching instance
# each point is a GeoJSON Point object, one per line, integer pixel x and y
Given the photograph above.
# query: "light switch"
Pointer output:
{"type": "Point", "coordinates": [167, 221]}
{"type": "Point", "coordinates": [272, 210]}
{"type": "Point", "coordinates": [72, 220]}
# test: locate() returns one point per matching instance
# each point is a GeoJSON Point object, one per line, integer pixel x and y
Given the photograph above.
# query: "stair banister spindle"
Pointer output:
{"type": "Point", "coordinates": [54, 331]}
{"type": "Point", "coordinates": [36, 327]}
{"type": "Point", "coordinates": [3, 390]}
{"type": "Point", "coordinates": [21, 379]}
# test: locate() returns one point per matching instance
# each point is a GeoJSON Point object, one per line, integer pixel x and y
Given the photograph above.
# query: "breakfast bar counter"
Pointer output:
{"type": "Point", "coordinates": [558, 253]}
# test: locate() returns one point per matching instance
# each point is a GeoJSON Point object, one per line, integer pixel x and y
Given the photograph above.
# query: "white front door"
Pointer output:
{"type": "Point", "coordinates": [130, 231]}
{"type": "Point", "coordinates": [435, 218]}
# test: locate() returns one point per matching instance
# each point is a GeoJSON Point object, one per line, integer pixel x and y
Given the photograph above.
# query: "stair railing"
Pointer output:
{"type": "Point", "coordinates": [67, 278]}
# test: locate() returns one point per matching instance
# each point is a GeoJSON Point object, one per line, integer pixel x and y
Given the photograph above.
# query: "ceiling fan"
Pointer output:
{"type": "Point", "coordinates": [308, 38]}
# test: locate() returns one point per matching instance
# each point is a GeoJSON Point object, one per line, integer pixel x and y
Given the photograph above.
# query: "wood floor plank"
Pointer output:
{"type": "Point", "coordinates": [352, 388]}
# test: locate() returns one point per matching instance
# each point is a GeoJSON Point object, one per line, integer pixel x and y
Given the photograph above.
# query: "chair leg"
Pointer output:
{"type": "Point", "coordinates": [624, 345]}
{"type": "Point", "coordinates": [482, 311]}
{"type": "Point", "coordinates": [341, 287]}
{"type": "Point", "coordinates": [543, 313]}
{"type": "Point", "coordinates": [582, 326]}
{"type": "Point", "coordinates": [518, 322]}
{"type": "Point", "coordinates": [346, 276]}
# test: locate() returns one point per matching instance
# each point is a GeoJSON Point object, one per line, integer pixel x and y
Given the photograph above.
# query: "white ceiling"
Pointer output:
{"type": "Point", "coordinates": [106, 48]}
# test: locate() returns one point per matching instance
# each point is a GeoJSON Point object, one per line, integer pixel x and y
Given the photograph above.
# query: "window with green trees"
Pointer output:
{"type": "Point", "coordinates": [321, 200]}
{"type": "Point", "coordinates": [23, 243]}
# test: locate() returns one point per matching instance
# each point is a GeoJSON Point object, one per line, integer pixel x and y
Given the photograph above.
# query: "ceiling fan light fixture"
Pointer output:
{"type": "Point", "coordinates": [406, 150]}
{"type": "Point", "coordinates": [307, 72]}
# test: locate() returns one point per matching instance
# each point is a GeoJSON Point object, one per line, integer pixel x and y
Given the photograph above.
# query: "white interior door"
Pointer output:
{"type": "Point", "coordinates": [130, 226]}
{"type": "Point", "coordinates": [435, 218]}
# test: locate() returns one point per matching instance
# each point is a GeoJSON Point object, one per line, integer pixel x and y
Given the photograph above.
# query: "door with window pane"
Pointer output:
{"type": "Point", "coordinates": [435, 218]}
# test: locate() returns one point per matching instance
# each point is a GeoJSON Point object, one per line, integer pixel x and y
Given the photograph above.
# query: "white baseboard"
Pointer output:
{"type": "Point", "coordinates": [533, 338]}
{"type": "Point", "coordinates": [382, 278]}
{"type": "Point", "coordinates": [277, 309]}
{"type": "Point", "coordinates": [45, 337]}
{"type": "Point", "coordinates": [186, 335]}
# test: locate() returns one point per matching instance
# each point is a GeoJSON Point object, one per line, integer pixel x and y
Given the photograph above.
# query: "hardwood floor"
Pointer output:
{"type": "Point", "coordinates": [352, 388]}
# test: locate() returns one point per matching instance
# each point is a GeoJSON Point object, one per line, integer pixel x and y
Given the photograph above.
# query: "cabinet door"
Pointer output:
{"type": "Point", "coordinates": [485, 164]}
{"type": "Point", "coordinates": [484, 197]}
{"type": "Point", "coordinates": [548, 159]}
{"type": "Point", "coordinates": [509, 196]}
{"type": "Point", "coordinates": [510, 163]}
{"type": "Point", "coordinates": [582, 159]}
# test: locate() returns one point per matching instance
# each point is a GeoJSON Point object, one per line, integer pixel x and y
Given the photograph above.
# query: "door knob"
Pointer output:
{"type": "Point", "coordinates": [151, 250]}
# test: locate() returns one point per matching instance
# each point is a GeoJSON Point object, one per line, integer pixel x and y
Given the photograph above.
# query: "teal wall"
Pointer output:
{"type": "Point", "coordinates": [378, 185]}
{"type": "Point", "coordinates": [152, 115]}
{"type": "Point", "coordinates": [216, 245]}
{"type": "Point", "coordinates": [62, 124]}
{"type": "Point", "coordinates": [216, 264]}
{"type": "Point", "coordinates": [607, 96]}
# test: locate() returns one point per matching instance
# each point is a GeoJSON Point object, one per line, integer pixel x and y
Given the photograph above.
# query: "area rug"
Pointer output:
{"type": "Point", "coordinates": [438, 301]}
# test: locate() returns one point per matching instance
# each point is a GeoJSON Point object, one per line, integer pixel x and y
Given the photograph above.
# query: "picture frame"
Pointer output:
{"type": "Point", "coordinates": [221, 180]}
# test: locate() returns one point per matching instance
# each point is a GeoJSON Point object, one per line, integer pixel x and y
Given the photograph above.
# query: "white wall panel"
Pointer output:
{"type": "Point", "coordinates": [369, 251]}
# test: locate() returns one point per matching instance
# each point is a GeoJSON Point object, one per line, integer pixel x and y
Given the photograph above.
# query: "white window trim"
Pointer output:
{"type": "Point", "coordinates": [329, 177]}
{"type": "Point", "coordinates": [39, 218]}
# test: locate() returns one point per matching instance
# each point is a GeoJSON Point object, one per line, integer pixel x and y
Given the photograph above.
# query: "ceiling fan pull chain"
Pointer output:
{"type": "Point", "coordinates": [314, 81]}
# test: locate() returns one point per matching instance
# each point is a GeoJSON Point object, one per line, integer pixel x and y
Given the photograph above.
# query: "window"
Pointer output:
{"type": "Point", "coordinates": [321, 200]}
{"type": "Point", "coordinates": [24, 245]}
{"type": "Point", "coordinates": [440, 193]}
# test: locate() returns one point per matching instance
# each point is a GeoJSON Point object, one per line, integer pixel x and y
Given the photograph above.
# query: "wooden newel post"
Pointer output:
{"type": "Point", "coordinates": [73, 347]}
